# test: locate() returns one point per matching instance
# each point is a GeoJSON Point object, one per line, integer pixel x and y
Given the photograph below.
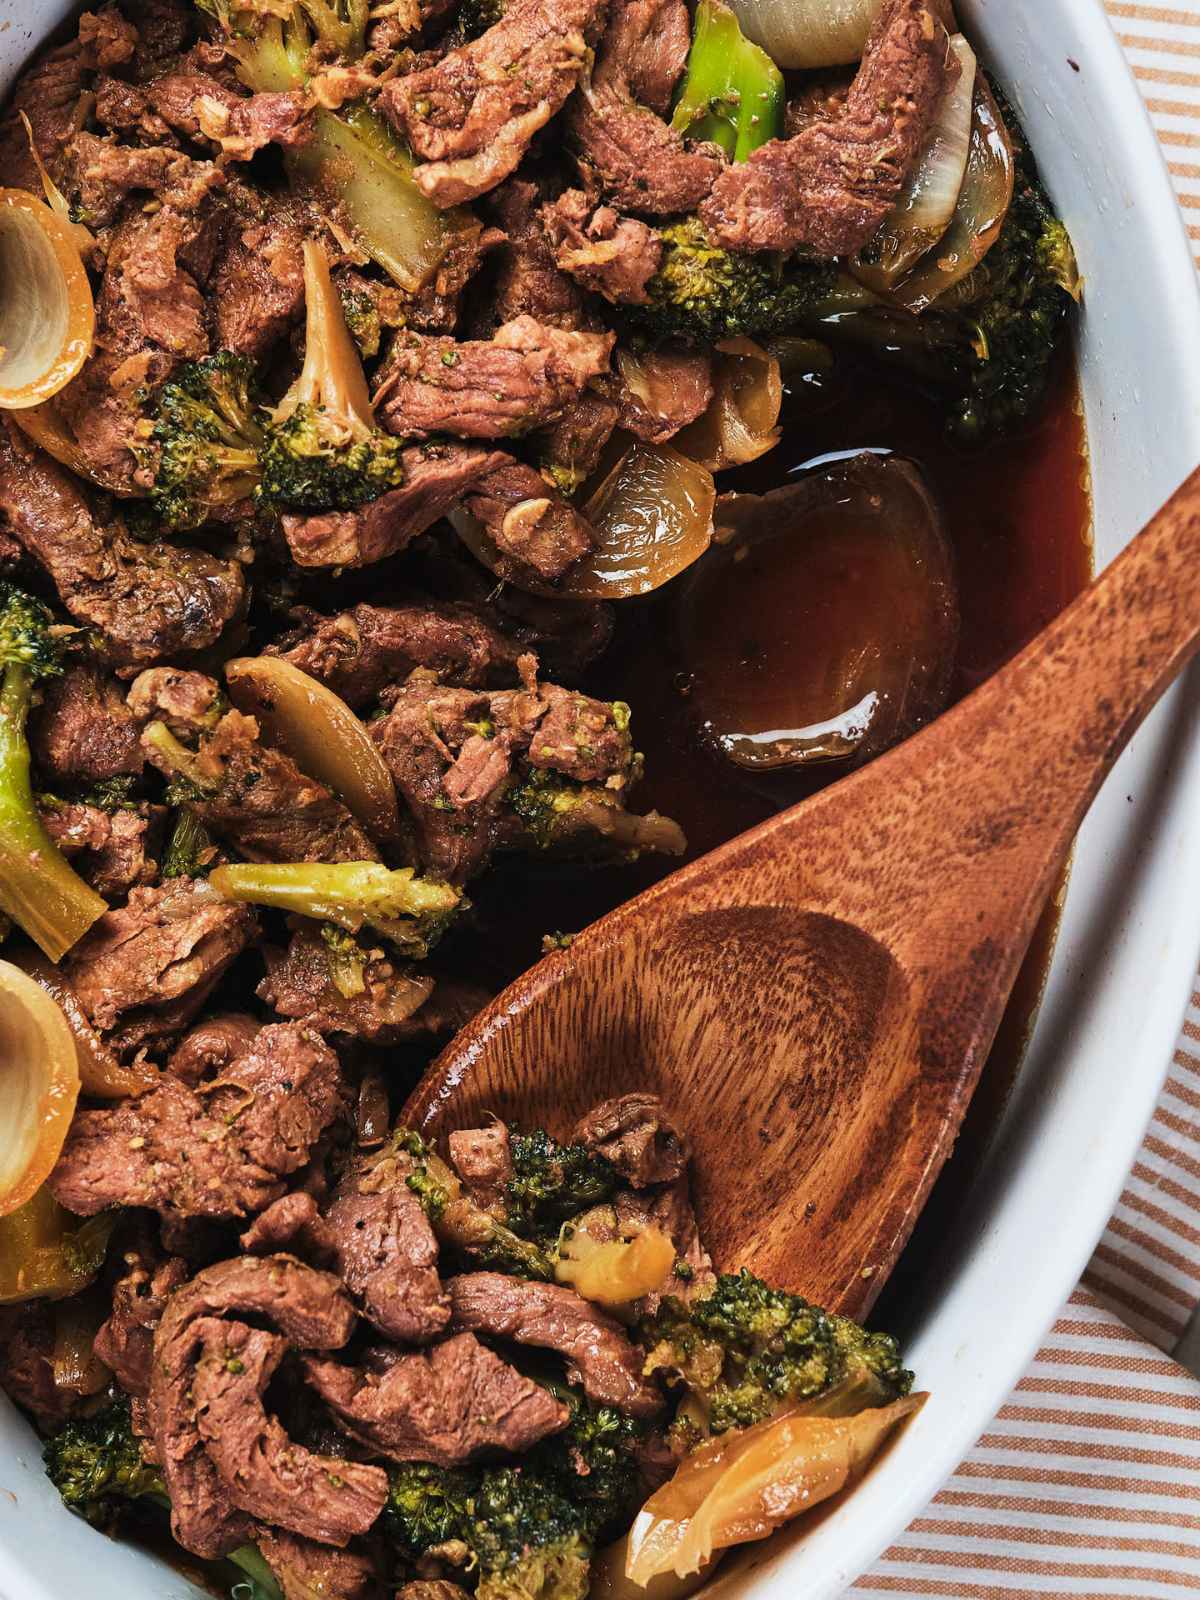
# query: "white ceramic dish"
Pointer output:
{"type": "Point", "coordinates": [1128, 947]}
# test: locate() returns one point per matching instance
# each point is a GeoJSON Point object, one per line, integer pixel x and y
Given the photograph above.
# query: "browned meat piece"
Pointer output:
{"type": "Point", "coordinates": [259, 800]}
{"type": "Point", "coordinates": [663, 30]}
{"type": "Point", "coordinates": [305, 1570]}
{"type": "Point", "coordinates": [637, 1135]}
{"type": "Point", "coordinates": [436, 477]}
{"type": "Point", "coordinates": [487, 389]}
{"type": "Point", "coordinates": [148, 600]}
{"type": "Point", "coordinates": [626, 150]}
{"type": "Point", "coordinates": [156, 291]}
{"type": "Point", "coordinates": [309, 1307]}
{"type": "Point", "coordinates": [217, 1152]}
{"type": "Point", "coordinates": [266, 1473]}
{"type": "Point", "coordinates": [291, 1223]}
{"type": "Point", "coordinates": [75, 827]}
{"type": "Point", "coordinates": [150, 963]}
{"type": "Point", "coordinates": [597, 1349]}
{"type": "Point", "coordinates": [430, 1589]}
{"type": "Point", "coordinates": [609, 254]}
{"type": "Point", "coordinates": [48, 92]}
{"type": "Point", "coordinates": [164, 28]}
{"type": "Point", "coordinates": [579, 737]}
{"type": "Point", "coordinates": [664, 390]}
{"type": "Point", "coordinates": [527, 282]}
{"type": "Point", "coordinates": [829, 187]}
{"type": "Point", "coordinates": [435, 306]}
{"type": "Point", "coordinates": [124, 108]}
{"type": "Point", "coordinates": [125, 1341]}
{"type": "Point", "coordinates": [213, 1045]}
{"type": "Point", "coordinates": [83, 732]}
{"type": "Point", "coordinates": [202, 108]}
{"type": "Point", "coordinates": [26, 1362]}
{"type": "Point", "coordinates": [258, 286]}
{"type": "Point", "coordinates": [99, 175]}
{"type": "Point", "coordinates": [567, 635]}
{"type": "Point", "coordinates": [108, 40]}
{"type": "Point", "coordinates": [188, 702]}
{"type": "Point", "coordinates": [571, 449]}
{"type": "Point", "coordinates": [386, 1253]}
{"type": "Point", "coordinates": [529, 522]}
{"type": "Point", "coordinates": [359, 652]}
{"type": "Point", "coordinates": [113, 851]}
{"type": "Point", "coordinates": [482, 1157]}
{"type": "Point", "coordinates": [470, 117]}
{"type": "Point", "coordinates": [445, 1407]}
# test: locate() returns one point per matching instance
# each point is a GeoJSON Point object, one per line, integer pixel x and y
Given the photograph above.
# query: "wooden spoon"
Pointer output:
{"type": "Point", "coordinates": [814, 1000]}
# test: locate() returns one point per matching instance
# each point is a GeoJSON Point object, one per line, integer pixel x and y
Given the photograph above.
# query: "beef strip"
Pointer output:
{"type": "Point", "coordinates": [436, 477]}
{"type": "Point", "coordinates": [267, 1474]}
{"type": "Point", "coordinates": [165, 29]}
{"type": "Point", "coordinates": [830, 186]}
{"type": "Point", "coordinates": [360, 652]}
{"type": "Point", "coordinates": [638, 1136]}
{"type": "Point", "coordinates": [607, 253]}
{"type": "Point", "coordinates": [624, 149]}
{"type": "Point", "coordinates": [83, 732]}
{"type": "Point", "coordinates": [204, 109]}
{"type": "Point", "coordinates": [258, 285]}
{"type": "Point", "coordinates": [125, 1342]}
{"type": "Point", "coordinates": [218, 1152]}
{"type": "Point", "coordinates": [26, 1363]}
{"type": "Point", "coordinates": [212, 1045]}
{"type": "Point", "coordinates": [114, 851]}
{"type": "Point", "coordinates": [597, 1349]}
{"type": "Point", "coordinates": [470, 117]}
{"type": "Point", "coordinates": [147, 600]}
{"type": "Point", "coordinates": [435, 306]}
{"type": "Point", "coordinates": [150, 964]}
{"type": "Point", "coordinates": [531, 525]}
{"type": "Point", "coordinates": [663, 390]}
{"type": "Point", "coordinates": [291, 1223]}
{"type": "Point", "coordinates": [306, 1570]}
{"type": "Point", "coordinates": [446, 1407]}
{"type": "Point", "coordinates": [526, 280]}
{"type": "Point", "coordinates": [100, 175]}
{"type": "Point", "coordinates": [124, 108]}
{"type": "Point", "coordinates": [571, 449]}
{"type": "Point", "coordinates": [309, 1307]}
{"type": "Point", "coordinates": [430, 1589]}
{"type": "Point", "coordinates": [48, 92]}
{"type": "Point", "coordinates": [482, 1157]}
{"type": "Point", "coordinates": [487, 389]}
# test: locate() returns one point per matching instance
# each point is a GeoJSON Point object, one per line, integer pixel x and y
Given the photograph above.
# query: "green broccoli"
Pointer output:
{"type": "Point", "coordinates": [206, 437]}
{"type": "Point", "coordinates": [473, 17]}
{"type": "Point", "coordinates": [747, 1349]}
{"type": "Point", "coordinates": [511, 1526]}
{"type": "Point", "coordinates": [593, 1462]}
{"type": "Point", "coordinates": [732, 94]}
{"type": "Point", "coordinates": [38, 888]}
{"type": "Point", "coordinates": [321, 449]}
{"type": "Point", "coordinates": [190, 851]}
{"type": "Point", "coordinates": [553, 1182]}
{"type": "Point", "coordinates": [551, 812]}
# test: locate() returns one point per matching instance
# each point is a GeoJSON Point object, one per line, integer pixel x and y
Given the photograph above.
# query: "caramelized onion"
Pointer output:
{"type": "Point", "coordinates": [77, 1369]}
{"type": "Point", "coordinates": [742, 420]}
{"type": "Point", "coordinates": [100, 1073]}
{"type": "Point", "coordinates": [320, 732]}
{"type": "Point", "coordinates": [40, 1085]}
{"type": "Point", "coordinates": [47, 319]}
{"type": "Point", "coordinates": [46, 1253]}
{"type": "Point", "coordinates": [808, 33]}
{"type": "Point", "coordinates": [744, 1485]}
{"type": "Point", "coordinates": [608, 1264]}
{"type": "Point", "coordinates": [609, 1581]}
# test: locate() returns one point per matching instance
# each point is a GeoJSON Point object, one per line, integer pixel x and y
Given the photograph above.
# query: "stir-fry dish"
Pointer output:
{"type": "Point", "coordinates": [361, 366]}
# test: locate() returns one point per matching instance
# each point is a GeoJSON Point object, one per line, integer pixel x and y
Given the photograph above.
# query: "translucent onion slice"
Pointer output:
{"type": "Point", "coordinates": [927, 204]}
{"type": "Point", "coordinates": [45, 426]}
{"type": "Point", "coordinates": [742, 420]}
{"type": "Point", "coordinates": [983, 204]}
{"type": "Point", "coordinates": [808, 33]}
{"type": "Point", "coordinates": [610, 1583]}
{"type": "Point", "coordinates": [321, 734]}
{"type": "Point", "coordinates": [39, 1083]}
{"type": "Point", "coordinates": [100, 1073]}
{"type": "Point", "coordinates": [47, 318]}
{"type": "Point", "coordinates": [77, 1369]}
{"type": "Point", "coordinates": [46, 1253]}
{"type": "Point", "coordinates": [608, 1264]}
{"type": "Point", "coordinates": [744, 1485]}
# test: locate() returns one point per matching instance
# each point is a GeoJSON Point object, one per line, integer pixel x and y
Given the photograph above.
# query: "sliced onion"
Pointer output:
{"type": "Point", "coordinates": [808, 33]}
{"type": "Point", "coordinates": [321, 734]}
{"type": "Point", "coordinates": [983, 204]}
{"type": "Point", "coordinates": [610, 1583]}
{"type": "Point", "coordinates": [921, 216]}
{"type": "Point", "coordinates": [611, 1266]}
{"type": "Point", "coordinates": [744, 1485]}
{"type": "Point", "coordinates": [47, 318]}
{"type": "Point", "coordinates": [742, 420]}
{"type": "Point", "coordinates": [46, 1253]}
{"type": "Point", "coordinates": [39, 1085]}
{"type": "Point", "coordinates": [77, 1369]}
{"type": "Point", "coordinates": [100, 1073]}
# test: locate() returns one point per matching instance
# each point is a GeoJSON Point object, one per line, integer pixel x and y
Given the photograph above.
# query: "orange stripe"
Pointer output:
{"type": "Point", "coordinates": [1160, 47]}
{"type": "Point", "coordinates": [1014, 1565]}
{"type": "Point", "coordinates": [1127, 1394]}
{"type": "Point", "coordinates": [1098, 1330]}
{"type": "Point", "coordinates": [1164, 1218]}
{"type": "Point", "coordinates": [1062, 1538]}
{"type": "Point", "coordinates": [1090, 1449]}
{"type": "Point", "coordinates": [1168, 1186]}
{"type": "Point", "coordinates": [1184, 169]}
{"type": "Point", "coordinates": [1160, 1251]}
{"type": "Point", "coordinates": [1191, 1030]}
{"type": "Point", "coordinates": [1113, 1361]}
{"type": "Point", "coordinates": [1170, 1321]}
{"type": "Point", "coordinates": [1181, 1125]}
{"type": "Point", "coordinates": [1157, 1147]}
{"type": "Point", "coordinates": [959, 1591]}
{"type": "Point", "coordinates": [1064, 1478]}
{"type": "Point", "coordinates": [1032, 1506]}
{"type": "Point", "coordinates": [1185, 1058]}
{"type": "Point", "coordinates": [1184, 19]}
{"type": "Point", "coordinates": [1066, 1417]}
{"type": "Point", "coordinates": [1181, 80]}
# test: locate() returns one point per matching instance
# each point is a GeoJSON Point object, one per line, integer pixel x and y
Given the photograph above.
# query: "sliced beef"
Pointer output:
{"type": "Point", "coordinates": [100, 175]}
{"type": "Point", "coordinates": [482, 1157]}
{"type": "Point", "coordinates": [123, 107]}
{"type": "Point", "coordinates": [470, 117]}
{"type": "Point", "coordinates": [571, 449]}
{"type": "Point", "coordinates": [662, 390]}
{"type": "Point", "coordinates": [830, 186]}
{"type": "Point", "coordinates": [360, 652]}
{"type": "Point", "coordinates": [431, 1589]}
{"type": "Point", "coordinates": [306, 1570]}
{"type": "Point", "coordinates": [446, 1407]}
{"type": "Point", "coordinates": [258, 286]}
{"type": "Point", "coordinates": [529, 522]}
{"type": "Point", "coordinates": [487, 389]}
{"type": "Point", "coordinates": [638, 1136]}
{"type": "Point", "coordinates": [435, 306]}
{"type": "Point", "coordinates": [526, 281]}
{"type": "Point", "coordinates": [147, 600]}
{"type": "Point", "coordinates": [26, 1363]}
{"type": "Point", "coordinates": [267, 1474]}
{"type": "Point", "coordinates": [125, 1342]}
{"type": "Point", "coordinates": [48, 92]}
{"type": "Point", "coordinates": [597, 1349]}
{"type": "Point", "coordinates": [165, 29]}
{"type": "Point", "coordinates": [212, 1045]}
{"type": "Point", "coordinates": [309, 1307]}
{"type": "Point", "coordinates": [108, 39]}
{"type": "Point", "coordinates": [625, 149]}
{"type": "Point", "coordinates": [149, 965]}
{"type": "Point", "coordinates": [291, 1223]}
{"type": "Point", "coordinates": [114, 851]}
{"type": "Point", "coordinates": [609, 254]}
{"type": "Point", "coordinates": [202, 108]}
{"type": "Point", "coordinates": [219, 1152]}
{"type": "Point", "coordinates": [83, 732]}
{"type": "Point", "coordinates": [436, 477]}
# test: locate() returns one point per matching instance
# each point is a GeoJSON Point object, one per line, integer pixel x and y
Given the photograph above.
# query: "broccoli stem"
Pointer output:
{"type": "Point", "coordinates": [262, 1584]}
{"type": "Point", "coordinates": [348, 893]}
{"type": "Point", "coordinates": [186, 765]}
{"type": "Point", "coordinates": [332, 379]}
{"type": "Point", "coordinates": [733, 93]}
{"type": "Point", "coordinates": [39, 890]}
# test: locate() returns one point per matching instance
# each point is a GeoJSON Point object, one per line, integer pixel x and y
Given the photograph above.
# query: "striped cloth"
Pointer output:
{"type": "Point", "coordinates": [1087, 1483]}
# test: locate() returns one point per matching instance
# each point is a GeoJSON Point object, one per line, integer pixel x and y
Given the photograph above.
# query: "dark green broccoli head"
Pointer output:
{"type": "Point", "coordinates": [96, 1465]}
{"type": "Point", "coordinates": [594, 1462]}
{"type": "Point", "coordinates": [473, 17]}
{"type": "Point", "coordinates": [207, 432]}
{"type": "Point", "coordinates": [552, 1182]}
{"type": "Point", "coordinates": [25, 637]}
{"type": "Point", "coordinates": [704, 293]}
{"type": "Point", "coordinates": [309, 464]}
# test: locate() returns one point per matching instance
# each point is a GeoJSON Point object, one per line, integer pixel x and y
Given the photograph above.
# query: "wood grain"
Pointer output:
{"type": "Point", "coordinates": [815, 1000]}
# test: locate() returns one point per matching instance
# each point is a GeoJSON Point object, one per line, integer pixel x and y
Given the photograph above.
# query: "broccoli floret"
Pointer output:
{"type": "Point", "coordinates": [593, 1462]}
{"type": "Point", "coordinates": [473, 17]}
{"type": "Point", "coordinates": [97, 1466]}
{"type": "Point", "coordinates": [272, 44]}
{"type": "Point", "coordinates": [732, 94]}
{"type": "Point", "coordinates": [322, 450]}
{"type": "Point", "coordinates": [38, 888]}
{"type": "Point", "coordinates": [747, 1349]}
{"type": "Point", "coordinates": [510, 1527]}
{"type": "Point", "coordinates": [553, 1182]}
{"type": "Point", "coordinates": [703, 293]}
{"type": "Point", "coordinates": [207, 433]}
{"type": "Point", "coordinates": [583, 820]}
{"type": "Point", "coordinates": [190, 851]}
